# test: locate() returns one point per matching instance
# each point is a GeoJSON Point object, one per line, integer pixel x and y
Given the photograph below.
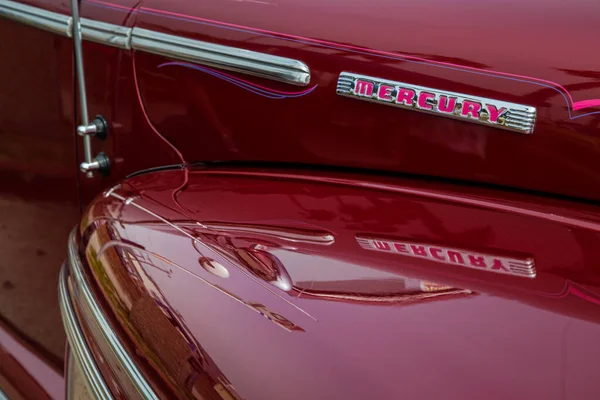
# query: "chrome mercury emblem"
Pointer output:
{"type": "Point", "coordinates": [481, 110]}
{"type": "Point", "coordinates": [522, 266]}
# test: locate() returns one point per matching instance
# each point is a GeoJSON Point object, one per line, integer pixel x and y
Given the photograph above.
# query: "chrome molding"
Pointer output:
{"type": "Point", "coordinates": [36, 17]}
{"type": "Point", "coordinates": [107, 34]}
{"type": "Point", "coordinates": [136, 385]}
{"type": "Point", "coordinates": [77, 342]}
{"type": "Point", "coordinates": [3, 395]}
{"type": "Point", "coordinates": [230, 58]}
{"type": "Point", "coordinates": [292, 235]}
{"type": "Point", "coordinates": [93, 31]}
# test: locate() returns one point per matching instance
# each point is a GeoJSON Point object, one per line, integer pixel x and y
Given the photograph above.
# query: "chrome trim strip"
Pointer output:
{"type": "Point", "coordinates": [108, 34]}
{"type": "Point", "coordinates": [36, 17]}
{"type": "Point", "coordinates": [230, 58]}
{"type": "Point", "coordinates": [263, 65]}
{"type": "Point", "coordinates": [285, 234]}
{"type": "Point", "coordinates": [87, 300]}
{"type": "Point", "coordinates": [77, 342]}
{"type": "Point", "coordinates": [3, 395]}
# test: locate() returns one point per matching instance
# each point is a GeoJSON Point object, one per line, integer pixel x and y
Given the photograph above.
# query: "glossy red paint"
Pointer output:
{"type": "Point", "coordinates": [39, 200]}
{"type": "Point", "coordinates": [210, 119]}
{"type": "Point", "coordinates": [316, 315]}
{"type": "Point", "coordinates": [24, 369]}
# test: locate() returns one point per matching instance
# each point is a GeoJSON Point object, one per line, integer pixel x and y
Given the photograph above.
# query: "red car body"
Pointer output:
{"type": "Point", "coordinates": [261, 237]}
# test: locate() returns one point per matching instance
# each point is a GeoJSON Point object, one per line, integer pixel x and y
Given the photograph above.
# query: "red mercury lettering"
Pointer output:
{"type": "Point", "coordinates": [477, 261]}
{"type": "Point", "coordinates": [435, 253]}
{"type": "Point", "coordinates": [422, 102]}
{"type": "Point", "coordinates": [494, 112]}
{"type": "Point", "coordinates": [455, 257]}
{"type": "Point", "coordinates": [401, 248]}
{"type": "Point", "coordinates": [446, 104]}
{"type": "Point", "coordinates": [498, 266]}
{"type": "Point", "coordinates": [471, 108]}
{"type": "Point", "coordinates": [418, 250]}
{"type": "Point", "coordinates": [363, 88]}
{"type": "Point", "coordinates": [381, 245]}
{"type": "Point", "coordinates": [405, 96]}
{"type": "Point", "coordinates": [385, 92]}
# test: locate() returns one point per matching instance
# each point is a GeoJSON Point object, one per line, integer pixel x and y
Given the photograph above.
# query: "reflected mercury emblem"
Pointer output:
{"type": "Point", "coordinates": [481, 110]}
{"type": "Point", "coordinates": [492, 262]}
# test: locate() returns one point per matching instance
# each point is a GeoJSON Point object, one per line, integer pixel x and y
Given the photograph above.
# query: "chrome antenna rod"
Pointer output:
{"type": "Point", "coordinates": [90, 165]}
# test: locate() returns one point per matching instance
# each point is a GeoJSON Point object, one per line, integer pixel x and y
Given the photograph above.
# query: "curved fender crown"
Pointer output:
{"type": "Point", "coordinates": [496, 113]}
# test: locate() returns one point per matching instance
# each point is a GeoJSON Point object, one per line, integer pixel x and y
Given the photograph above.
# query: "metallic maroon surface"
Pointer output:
{"type": "Point", "coordinates": [253, 283]}
{"type": "Point", "coordinates": [39, 199]}
{"type": "Point", "coordinates": [514, 54]}
{"type": "Point", "coordinates": [24, 371]}
{"type": "Point", "coordinates": [265, 284]}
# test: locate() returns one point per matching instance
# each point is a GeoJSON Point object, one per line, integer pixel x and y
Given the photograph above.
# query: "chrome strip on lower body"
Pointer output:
{"type": "Point", "coordinates": [77, 342]}
{"type": "Point", "coordinates": [263, 65]}
{"type": "Point", "coordinates": [134, 384]}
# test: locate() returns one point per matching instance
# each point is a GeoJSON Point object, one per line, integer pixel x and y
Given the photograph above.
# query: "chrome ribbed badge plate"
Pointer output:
{"type": "Point", "coordinates": [523, 266]}
{"type": "Point", "coordinates": [481, 110]}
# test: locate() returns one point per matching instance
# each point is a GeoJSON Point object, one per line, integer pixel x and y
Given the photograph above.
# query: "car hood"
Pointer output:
{"type": "Point", "coordinates": [288, 284]}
